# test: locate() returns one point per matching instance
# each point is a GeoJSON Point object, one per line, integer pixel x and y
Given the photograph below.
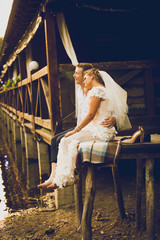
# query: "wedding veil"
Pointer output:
{"type": "Point", "coordinates": [118, 97]}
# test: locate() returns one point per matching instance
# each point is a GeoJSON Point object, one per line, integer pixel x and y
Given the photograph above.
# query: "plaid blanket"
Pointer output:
{"type": "Point", "coordinates": [100, 151]}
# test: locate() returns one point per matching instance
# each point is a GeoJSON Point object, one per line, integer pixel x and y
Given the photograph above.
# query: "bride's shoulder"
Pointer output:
{"type": "Point", "coordinates": [98, 91]}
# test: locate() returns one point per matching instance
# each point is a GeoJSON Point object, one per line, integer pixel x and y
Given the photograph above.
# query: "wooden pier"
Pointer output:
{"type": "Point", "coordinates": [38, 102]}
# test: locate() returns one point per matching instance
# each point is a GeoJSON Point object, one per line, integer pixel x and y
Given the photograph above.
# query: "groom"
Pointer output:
{"type": "Point", "coordinates": [109, 122]}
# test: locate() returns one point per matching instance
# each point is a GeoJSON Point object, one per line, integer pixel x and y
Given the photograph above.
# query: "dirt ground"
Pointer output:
{"type": "Point", "coordinates": [48, 223]}
{"type": "Point", "coordinates": [41, 221]}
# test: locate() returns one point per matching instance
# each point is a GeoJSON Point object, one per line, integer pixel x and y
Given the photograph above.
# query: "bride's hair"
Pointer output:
{"type": "Point", "coordinates": [95, 72]}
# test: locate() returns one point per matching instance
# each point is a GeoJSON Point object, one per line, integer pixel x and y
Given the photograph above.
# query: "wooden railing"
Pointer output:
{"type": "Point", "coordinates": [29, 102]}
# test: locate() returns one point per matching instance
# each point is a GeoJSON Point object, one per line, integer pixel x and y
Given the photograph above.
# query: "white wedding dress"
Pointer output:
{"type": "Point", "coordinates": [67, 152]}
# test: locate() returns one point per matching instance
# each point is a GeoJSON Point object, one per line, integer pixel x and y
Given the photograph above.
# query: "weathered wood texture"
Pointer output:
{"type": "Point", "coordinates": [150, 198]}
{"type": "Point", "coordinates": [32, 160]}
{"type": "Point", "coordinates": [43, 161]}
{"type": "Point", "coordinates": [121, 65]}
{"type": "Point", "coordinates": [78, 201]}
{"type": "Point", "coordinates": [139, 184]}
{"type": "Point", "coordinates": [64, 196]}
{"type": "Point", "coordinates": [118, 191]}
{"type": "Point", "coordinates": [17, 145]}
{"type": "Point", "coordinates": [88, 203]}
{"type": "Point", "coordinates": [50, 36]}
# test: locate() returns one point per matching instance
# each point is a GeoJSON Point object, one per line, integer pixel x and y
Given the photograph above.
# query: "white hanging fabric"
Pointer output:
{"type": "Point", "coordinates": [67, 43]}
{"type": "Point", "coordinates": [65, 37]}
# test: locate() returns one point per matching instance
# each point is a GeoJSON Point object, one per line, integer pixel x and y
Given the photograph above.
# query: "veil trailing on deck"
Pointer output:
{"type": "Point", "coordinates": [118, 97]}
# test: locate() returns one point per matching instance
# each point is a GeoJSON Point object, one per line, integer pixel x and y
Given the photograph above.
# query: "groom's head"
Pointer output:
{"type": "Point", "coordinates": [79, 72]}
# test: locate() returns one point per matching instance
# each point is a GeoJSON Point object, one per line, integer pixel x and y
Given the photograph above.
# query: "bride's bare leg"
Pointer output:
{"type": "Point", "coordinates": [49, 181]}
{"type": "Point", "coordinates": [83, 136]}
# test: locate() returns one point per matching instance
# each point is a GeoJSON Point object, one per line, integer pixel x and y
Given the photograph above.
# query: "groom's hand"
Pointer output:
{"type": "Point", "coordinates": [109, 122]}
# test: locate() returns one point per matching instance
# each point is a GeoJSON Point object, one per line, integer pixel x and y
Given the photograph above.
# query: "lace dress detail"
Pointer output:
{"type": "Point", "coordinates": [96, 92]}
{"type": "Point", "coordinates": [104, 111]}
{"type": "Point", "coordinates": [66, 162]}
{"type": "Point", "coordinates": [93, 131]}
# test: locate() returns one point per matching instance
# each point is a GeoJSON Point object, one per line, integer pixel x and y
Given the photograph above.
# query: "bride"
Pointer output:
{"type": "Point", "coordinates": [104, 96]}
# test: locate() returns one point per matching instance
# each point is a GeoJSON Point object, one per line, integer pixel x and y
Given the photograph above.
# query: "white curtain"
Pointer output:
{"type": "Point", "coordinates": [65, 37]}
{"type": "Point", "coordinates": [67, 43]}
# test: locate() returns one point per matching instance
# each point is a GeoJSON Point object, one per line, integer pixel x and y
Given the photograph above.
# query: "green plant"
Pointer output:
{"type": "Point", "coordinates": [15, 82]}
{"type": "Point", "coordinates": [12, 83]}
{"type": "Point", "coordinates": [8, 84]}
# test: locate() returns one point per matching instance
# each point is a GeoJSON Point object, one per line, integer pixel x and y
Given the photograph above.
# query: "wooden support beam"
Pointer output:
{"type": "Point", "coordinates": [64, 196]}
{"type": "Point", "coordinates": [139, 185]}
{"type": "Point", "coordinates": [32, 160]}
{"type": "Point", "coordinates": [22, 69]}
{"type": "Point", "coordinates": [150, 199]}
{"type": "Point", "coordinates": [78, 201]}
{"type": "Point", "coordinates": [120, 65]}
{"type": "Point", "coordinates": [52, 65]}
{"type": "Point", "coordinates": [5, 123]}
{"type": "Point", "coordinates": [128, 76]}
{"type": "Point", "coordinates": [17, 145]}
{"type": "Point", "coordinates": [46, 93]}
{"type": "Point", "coordinates": [43, 161]}
{"type": "Point", "coordinates": [118, 191]}
{"type": "Point", "coordinates": [9, 133]}
{"type": "Point", "coordinates": [24, 162]}
{"type": "Point", "coordinates": [88, 203]}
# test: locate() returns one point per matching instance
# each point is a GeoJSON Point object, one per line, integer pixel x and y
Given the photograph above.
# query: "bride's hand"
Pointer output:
{"type": "Point", "coordinates": [70, 133]}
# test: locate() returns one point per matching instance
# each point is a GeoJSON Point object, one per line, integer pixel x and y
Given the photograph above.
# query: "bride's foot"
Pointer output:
{"type": "Point", "coordinates": [45, 184]}
{"type": "Point", "coordinates": [49, 181]}
{"type": "Point", "coordinates": [52, 186]}
{"type": "Point", "coordinates": [68, 184]}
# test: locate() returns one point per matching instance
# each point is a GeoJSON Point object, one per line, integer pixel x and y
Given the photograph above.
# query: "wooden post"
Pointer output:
{"type": "Point", "coordinates": [10, 135]}
{"type": "Point", "coordinates": [43, 160]}
{"type": "Point", "coordinates": [5, 131]}
{"type": "Point", "coordinates": [32, 160]}
{"type": "Point", "coordinates": [2, 121]}
{"type": "Point", "coordinates": [17, 145]}
{"type": "Point", "coordinates": [3, 125]}
{"type": "Point", "coordinates": [64, 196]}
{"type": "Point", "coordinates": [118, 191]}
{"type": "Point", "coordinates": [24, 162]}
{"type": "Point", "coordinates": [22, 69]}
{"type": "Point", "coordinates": [150, 199]}
{"type": "Point", "coordinates": [78, 200]}
{"type": "Point", "coordinates": [139, 184]}
{"type": "Point", "coordinates": [52, 64]}
{"type": "Point", "coordinates": [7, 127]}
{"type": "Point", "coordinates": [88, 204]}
